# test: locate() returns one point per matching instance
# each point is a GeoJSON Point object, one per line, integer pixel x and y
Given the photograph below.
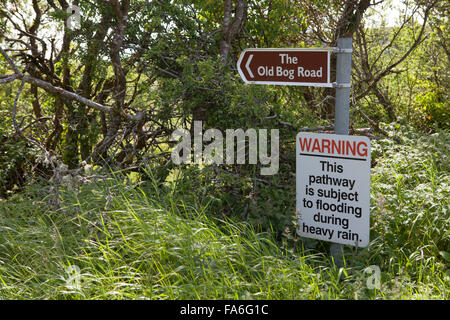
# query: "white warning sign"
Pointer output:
{"type": "Point", "coordinates": [333, 188]}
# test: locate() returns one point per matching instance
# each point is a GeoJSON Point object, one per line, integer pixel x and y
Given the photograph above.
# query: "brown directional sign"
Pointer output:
{"type": "Point", "coordinates": [297, 67]}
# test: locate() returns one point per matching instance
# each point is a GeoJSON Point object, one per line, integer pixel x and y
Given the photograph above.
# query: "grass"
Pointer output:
{"type": "Point", "coordinates": [122, 239]}
{"type": "Point", "coordinates": [137, 248]}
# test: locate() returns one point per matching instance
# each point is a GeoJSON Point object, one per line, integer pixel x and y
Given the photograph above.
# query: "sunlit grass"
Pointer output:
{"type": "Point", "coordinates": [140, 240]}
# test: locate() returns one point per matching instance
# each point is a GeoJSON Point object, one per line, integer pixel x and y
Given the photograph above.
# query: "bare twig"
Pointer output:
{"type": "Point", "coordinates": [6, 79]}
{"type": "Point", "coordinates": [324, 128]}
{"type": "Point", "coordinates": [59, 91]}
{"type": "Point", "coordinates": [418, 40]}
{"type": "Point", "coordinates": [16, 125]}
{"type": "Point", "coordinates": [377, 128]}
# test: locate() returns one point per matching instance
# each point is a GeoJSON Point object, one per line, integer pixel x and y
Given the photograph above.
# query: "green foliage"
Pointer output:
{"type": "Point", "coordinates": [16, 159]}
{"type": "Point", "coordinates": [417, 88]}
{"type": "Point", "coordinates": [411, 209]}
{"type": "Point", "coordinates": [434, 105]}
{"type": "Point", "coordinates": [221, 96]}
{"type": "Point", "coordinates": [200, 231]}
{"type": "Point", "coordinates": [275, 23]}
{"type": "Point", "coordinates": [137, 239]}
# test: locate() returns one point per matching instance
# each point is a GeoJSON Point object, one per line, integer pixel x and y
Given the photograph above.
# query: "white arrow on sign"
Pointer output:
{"type": "Point", "coordinates": [247, 66]}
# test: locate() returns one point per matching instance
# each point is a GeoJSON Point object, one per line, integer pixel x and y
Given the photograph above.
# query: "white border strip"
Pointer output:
{"type": "Point", "coordinates": [307, 84]}
{"type": "Point", "coordinates": [329, 66]}
{"type": "Point", "coordinates": [291, 49]}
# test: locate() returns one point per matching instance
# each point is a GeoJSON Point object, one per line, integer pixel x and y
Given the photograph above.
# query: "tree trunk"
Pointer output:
{"type": "Point", "coordinates": [230, 27]}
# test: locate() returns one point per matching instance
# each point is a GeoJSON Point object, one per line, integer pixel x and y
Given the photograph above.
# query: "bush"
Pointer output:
{"type": "Point", "coordinates": [433, 105]}
{"type": "Point", "coordinates": [410, 202]}
{"type": "Point", "coordinates": [16, 157]}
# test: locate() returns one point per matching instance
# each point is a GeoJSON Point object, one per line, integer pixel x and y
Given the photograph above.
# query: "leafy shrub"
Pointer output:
{"type": "Point", "coordinates": [410, 192]}
{"type": "Point", "coordinates": [15, 160]}
{"type": "Point", "coordinates": [433, 104]}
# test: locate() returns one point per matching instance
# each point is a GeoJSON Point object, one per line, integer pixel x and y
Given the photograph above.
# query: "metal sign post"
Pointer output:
{"type": "Point", "coordinates": [342, 112]}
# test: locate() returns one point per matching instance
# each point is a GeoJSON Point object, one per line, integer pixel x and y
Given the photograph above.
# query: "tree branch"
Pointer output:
{"type": "Point", "coordinates": [60, 91]}
{"type": "Point", "coordinates": [388, 70]}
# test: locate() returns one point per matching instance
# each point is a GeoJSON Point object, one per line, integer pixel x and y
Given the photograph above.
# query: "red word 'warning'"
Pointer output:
{"type": "Point", "coordinates": [334, 147]}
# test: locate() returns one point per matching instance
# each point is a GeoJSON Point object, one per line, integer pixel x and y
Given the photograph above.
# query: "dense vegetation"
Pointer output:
{"type": "Point", "coordinates": [86, 177]}
{"type": "Point", "coordinates": [137, 239]}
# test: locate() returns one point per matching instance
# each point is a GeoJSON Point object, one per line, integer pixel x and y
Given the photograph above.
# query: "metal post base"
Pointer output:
{"type": "Point", "coordinates": [337, 254]}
